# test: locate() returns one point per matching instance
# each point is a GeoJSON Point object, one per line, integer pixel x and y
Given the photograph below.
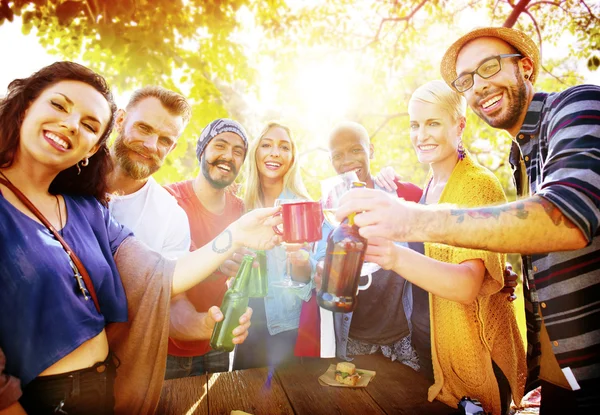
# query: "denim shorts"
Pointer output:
{"type": "Point", "coordinates": [84, 391]}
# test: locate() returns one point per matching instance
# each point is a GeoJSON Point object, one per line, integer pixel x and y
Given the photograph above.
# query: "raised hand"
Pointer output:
{"type": "Point", "coordinates": [382, 214]}
{"type": "Point", "coordinates": [510, 282]}
{"type": "Point", "coordinates": [255, 229]}
{"type": "Point", "coordinates": [381, 251]}
{"type": "Point", "coordinates": [319, 275]}
{"type": "Point", "coordinates": [386, 178]}
{"type": "Point", "coordinates": [231, 266]}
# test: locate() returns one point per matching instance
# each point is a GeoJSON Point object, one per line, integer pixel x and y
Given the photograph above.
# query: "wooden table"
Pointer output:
{"type": "Point", "coordinates": [295, 389]}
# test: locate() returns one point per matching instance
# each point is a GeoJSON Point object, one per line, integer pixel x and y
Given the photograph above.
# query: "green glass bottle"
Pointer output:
{"type": "Point", "coordinates": [235, 303]}
{"type": "Point", "coordinates": [258, 284]}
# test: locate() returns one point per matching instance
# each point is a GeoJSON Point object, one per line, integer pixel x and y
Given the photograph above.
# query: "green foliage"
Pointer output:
{"type": "Point", "coordinates": [186, 46]}
{"type": "Point", "coordinates": [214, 51]}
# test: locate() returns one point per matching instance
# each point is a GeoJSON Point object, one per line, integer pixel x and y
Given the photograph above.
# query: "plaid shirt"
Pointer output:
{"type": "Point", "coordinates": [557, 156]}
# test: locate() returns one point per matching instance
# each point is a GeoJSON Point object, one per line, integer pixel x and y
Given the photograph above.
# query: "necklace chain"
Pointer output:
{"type": "Point", "coordinates": [76, 274]}
{"type": "Point", "coordinates": [60, 222]}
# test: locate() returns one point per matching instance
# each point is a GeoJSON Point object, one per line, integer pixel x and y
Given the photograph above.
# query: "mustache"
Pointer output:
{"type": "Point", "coordinates": [482, 96]}
{"type": "Point", "coordinates": [141, 150]}
{"type": "Point", "coordinates": [220, 161]}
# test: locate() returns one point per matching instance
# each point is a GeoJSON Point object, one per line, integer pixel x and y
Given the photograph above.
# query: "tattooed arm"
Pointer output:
{"type": "Point", "coordinates": [528, 226]}
{"type": "Point", "coordinates": [253, 230]}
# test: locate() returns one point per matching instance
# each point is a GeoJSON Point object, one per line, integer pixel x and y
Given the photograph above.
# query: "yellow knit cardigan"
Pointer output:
{"type": "Point", "coordinates": [466, 338]}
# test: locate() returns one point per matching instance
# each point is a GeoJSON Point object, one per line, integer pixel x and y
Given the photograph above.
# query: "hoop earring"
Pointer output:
{"type": "Point", "coordinates": [461, 150]}
{"type": "Point", "coordinates": [83, 163]}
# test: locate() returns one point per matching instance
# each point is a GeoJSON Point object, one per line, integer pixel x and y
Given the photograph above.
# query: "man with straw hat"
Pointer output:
{"type": "Point", "coordinates": [556, 223]}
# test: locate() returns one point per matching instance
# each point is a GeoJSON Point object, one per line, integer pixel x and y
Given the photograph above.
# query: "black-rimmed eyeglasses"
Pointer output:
{"type": "Point", "coordinates": [487, 69]}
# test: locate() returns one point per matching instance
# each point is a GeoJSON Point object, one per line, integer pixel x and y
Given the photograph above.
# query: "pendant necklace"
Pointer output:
{"type": "Point", "coordinates": [76, 274]}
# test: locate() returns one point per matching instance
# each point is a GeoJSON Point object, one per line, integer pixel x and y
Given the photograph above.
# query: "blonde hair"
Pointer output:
{"type": "Point", "coordinates": [292, 181]}
{"type": "Point", "coordinates": [438, 93]}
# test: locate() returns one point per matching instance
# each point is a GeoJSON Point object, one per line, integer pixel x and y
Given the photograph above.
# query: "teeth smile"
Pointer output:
{"type": "Point", "coordinates": [427, 147]}
{"type": "Point", "coordinates": [57, 140]}
{"type": "Point", "coordinates": [491, 102]}
{"type": "Point", "coordinates": [271, 164]}
{"type": "Point", "coordinates": [224, 167]}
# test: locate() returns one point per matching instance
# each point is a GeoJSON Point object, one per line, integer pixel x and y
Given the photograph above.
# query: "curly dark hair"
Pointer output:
{"type": "Point", "coordinates": [22, 92]}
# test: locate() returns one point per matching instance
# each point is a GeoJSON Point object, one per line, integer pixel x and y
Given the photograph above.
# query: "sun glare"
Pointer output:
{"type": "Point", "coordinates": [324, 89]}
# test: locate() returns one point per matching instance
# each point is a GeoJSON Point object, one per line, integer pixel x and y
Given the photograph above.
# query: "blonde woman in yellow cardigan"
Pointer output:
{"type": "Point", "coordinates": [476, 348]}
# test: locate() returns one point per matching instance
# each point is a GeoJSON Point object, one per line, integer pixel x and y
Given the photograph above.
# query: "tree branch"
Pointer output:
{"type": "Point", "coordinates": [551, 3]}
{"type": "Point", "coordinates": [588, 9]}
{"type": "Point", "coordinates": [537, 29]}
{"type": "Point", "coordinates": [387, 120]}
{"type": "Point", "coordinates": [552, 75]}
{"type": "Point", "coordinates": [514, 15]}
{"type": "Point", "coordinates": [397, 19]}
{"type": "Point", "coordinates": [90, 12]}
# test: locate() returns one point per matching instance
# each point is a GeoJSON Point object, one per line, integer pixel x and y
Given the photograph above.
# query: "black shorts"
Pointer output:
{"type": "Point", "coordinates": [84, 391]}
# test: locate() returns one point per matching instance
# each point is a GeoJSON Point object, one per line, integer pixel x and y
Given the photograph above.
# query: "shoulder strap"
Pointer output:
{"type": "Point", "coordinates": [78, 264]}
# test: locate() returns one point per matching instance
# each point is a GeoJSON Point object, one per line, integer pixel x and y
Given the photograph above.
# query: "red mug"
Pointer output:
{"type": "Point", "coordinates": [302, 221]}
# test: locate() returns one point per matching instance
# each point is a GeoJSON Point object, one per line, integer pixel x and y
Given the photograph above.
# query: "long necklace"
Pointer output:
{"type": "Point", "coordinates": [76, 274]}
{"type": "Point", "coordinates": [60, 222]}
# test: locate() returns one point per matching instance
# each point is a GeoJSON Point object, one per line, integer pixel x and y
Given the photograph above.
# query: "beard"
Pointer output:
{"type": "Point", "coordinates": [216, 183]}
{"type": "Point", "coordinates": [137, 170]}
{"type": "Point", "coordinates": [517, 97]}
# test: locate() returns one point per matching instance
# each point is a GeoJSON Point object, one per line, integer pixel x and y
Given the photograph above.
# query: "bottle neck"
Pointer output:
{"type": "Point", "coordinates": [350, 219]}
{"type": "Point", "coordinates": [240, 285]}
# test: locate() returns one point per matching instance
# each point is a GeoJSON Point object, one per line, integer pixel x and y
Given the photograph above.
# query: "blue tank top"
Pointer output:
{"type": "Point", "coordinates": [43, 315]}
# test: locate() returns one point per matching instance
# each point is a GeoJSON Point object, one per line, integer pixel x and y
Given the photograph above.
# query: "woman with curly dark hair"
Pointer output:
{"type": "Point", "coordinates": [75, 286]}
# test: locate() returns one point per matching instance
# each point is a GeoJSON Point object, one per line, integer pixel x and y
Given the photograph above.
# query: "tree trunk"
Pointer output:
{"type": "Point", "coordinates": [517, 10]}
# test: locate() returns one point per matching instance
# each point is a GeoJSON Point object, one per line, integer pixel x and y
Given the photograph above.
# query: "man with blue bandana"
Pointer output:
{"type": "Point", "coordinates": [210, 207]}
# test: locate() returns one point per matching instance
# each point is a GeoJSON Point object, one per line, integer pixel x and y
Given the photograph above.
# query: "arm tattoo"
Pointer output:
{"type": "Point", "coordinates": [226, 233]}
{"type": "Point", "coordinates": [555, 215]}
{"type": "Point", "coordinates": [517, 209]}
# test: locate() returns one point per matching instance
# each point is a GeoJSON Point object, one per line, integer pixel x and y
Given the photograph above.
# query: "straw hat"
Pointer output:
{"type": "Point", "coordinates": [516, 38]}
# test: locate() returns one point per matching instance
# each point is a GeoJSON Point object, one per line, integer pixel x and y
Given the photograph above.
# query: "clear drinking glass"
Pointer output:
{"type": "Point", "coordinates": [287, 281]}
{"type": "Point", "coordinates": [332, 190]}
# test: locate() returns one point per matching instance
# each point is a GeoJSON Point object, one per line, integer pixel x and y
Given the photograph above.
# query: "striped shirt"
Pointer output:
{"type": "Point", "coordinates": [559, 160]}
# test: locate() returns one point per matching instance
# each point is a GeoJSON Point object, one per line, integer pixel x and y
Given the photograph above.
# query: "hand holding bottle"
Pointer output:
{"type": "Point", "coordinates": [385, 215]}
{"type": "Point", "coordinates": [233, 306]}
{"type": "Point", "coordinates": [382, 251]}
{"type": "Point", "coordinates": [215, 315]}
{"type": "Point", "coordinates": [231, 266]}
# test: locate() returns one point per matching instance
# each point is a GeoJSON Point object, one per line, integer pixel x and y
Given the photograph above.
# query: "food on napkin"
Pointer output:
{"type": "Point", "coordinates": [345, 373]}
{"type": "Point", "coordinates": [337, 375]}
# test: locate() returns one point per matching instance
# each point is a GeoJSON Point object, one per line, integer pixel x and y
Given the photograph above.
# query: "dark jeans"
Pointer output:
{"type": "Point", "coordinates": [556, 400]}
{"type": "Point", "coordinates": [262, 349]}
{"type": "Point", "coordinates": [182, 367]}
{"type": "Point", "coordinates": [85, 391]}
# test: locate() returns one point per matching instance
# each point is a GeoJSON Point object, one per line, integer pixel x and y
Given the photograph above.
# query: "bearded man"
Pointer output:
{"type": "Point", "coordinates": [148, 130]}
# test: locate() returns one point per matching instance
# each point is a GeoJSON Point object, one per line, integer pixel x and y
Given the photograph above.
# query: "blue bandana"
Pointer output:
{"type": "Point", "coordinates": [218, 126]}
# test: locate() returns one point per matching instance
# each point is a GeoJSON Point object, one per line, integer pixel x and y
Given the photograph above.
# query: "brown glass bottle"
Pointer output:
{"type": "Point", "coordinates": [343, 263]}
